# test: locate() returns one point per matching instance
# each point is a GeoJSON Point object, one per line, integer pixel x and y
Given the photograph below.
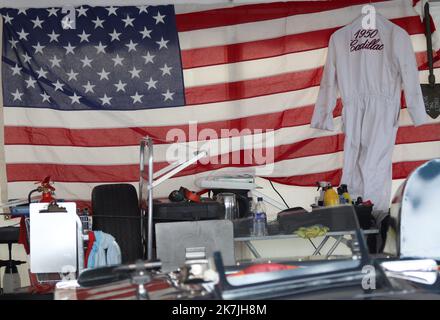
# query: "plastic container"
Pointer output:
{"type": "Point", "coordinates": [11, 279]}
{"type": "Point", "coordinates": [259, 228]}
{"type": "Point", "coordinates": [341, 197]}
{"type": "Point", "coordinates": [345, 194]}
{"type": "Point", "coordinates": [331, 198]}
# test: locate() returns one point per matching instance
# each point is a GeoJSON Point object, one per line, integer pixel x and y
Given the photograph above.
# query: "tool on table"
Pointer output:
{"type": "Point", "coordinates": [359, 201]}
{"type": "Point", "coordinates": [183, 194]}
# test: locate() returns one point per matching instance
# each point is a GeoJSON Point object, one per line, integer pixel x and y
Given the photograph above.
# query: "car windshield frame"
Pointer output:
{"type": "Point", "coordinates": [325, 269]}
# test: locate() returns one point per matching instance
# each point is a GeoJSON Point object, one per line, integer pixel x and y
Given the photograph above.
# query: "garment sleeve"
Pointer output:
{"type": "Point", "coordinates": [409, 72]}
{"type": "Point", "coordinates": [323, 114]}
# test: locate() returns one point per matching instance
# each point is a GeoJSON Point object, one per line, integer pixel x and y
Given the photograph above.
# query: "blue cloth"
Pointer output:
{"type": "Point", "coordinates": [105, 251]}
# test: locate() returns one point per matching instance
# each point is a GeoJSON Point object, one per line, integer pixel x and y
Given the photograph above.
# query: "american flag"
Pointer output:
{"type": "Point", "coordinates": [78, 101]}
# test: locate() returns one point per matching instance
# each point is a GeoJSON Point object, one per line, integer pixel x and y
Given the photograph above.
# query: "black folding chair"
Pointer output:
{"type": "Point", "coordinates": [115, 210]}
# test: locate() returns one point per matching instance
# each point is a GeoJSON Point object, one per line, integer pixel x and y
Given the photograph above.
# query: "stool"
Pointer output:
{"type": "Point", "coordinates": [11, 279]}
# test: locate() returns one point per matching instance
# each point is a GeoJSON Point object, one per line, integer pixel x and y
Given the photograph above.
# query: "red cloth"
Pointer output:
{"type": "Point", "coordinates": [264, 267]}
{"type": "Point", "coordinates": [39, 288]}
{"type": "Point", "coordinates": [89, 247]}
{"type": "Point", "coordinates": [22, 238]}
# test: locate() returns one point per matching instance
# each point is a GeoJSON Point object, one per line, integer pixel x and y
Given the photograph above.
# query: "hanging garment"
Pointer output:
{"type": "Point", "coordinates": [369, 68]}
{"type": "Point", "coordinates": [105, 251]}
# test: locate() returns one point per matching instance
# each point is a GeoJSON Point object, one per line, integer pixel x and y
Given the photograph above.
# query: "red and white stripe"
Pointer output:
{"type": "Point", "coordinates": [249, 66]}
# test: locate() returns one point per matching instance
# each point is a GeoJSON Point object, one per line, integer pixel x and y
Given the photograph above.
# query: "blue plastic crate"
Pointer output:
{"type": "Point", "coordinates": [23, 210]}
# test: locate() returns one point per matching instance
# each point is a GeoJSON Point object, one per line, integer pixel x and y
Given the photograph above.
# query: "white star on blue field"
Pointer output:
{"type": "Point", "coordinates": [116, 58]}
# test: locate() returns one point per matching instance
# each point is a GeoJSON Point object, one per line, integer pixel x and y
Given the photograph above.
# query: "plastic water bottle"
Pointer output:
{"type": "Point", "coordinates": [260, 219]}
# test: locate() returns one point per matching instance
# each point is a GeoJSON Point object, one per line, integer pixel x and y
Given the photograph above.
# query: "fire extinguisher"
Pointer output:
{"type": "Point", "coordinates": [46, 189]}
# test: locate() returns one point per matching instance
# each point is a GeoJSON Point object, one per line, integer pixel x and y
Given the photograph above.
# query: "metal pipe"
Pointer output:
{"type": "Point", "coordinates": [150, 200]}
{"type": "Point", "coordinates": [80, 244]}
{"type": "Point", "coordinates": [252, 249]}
{"type": "Point", "coordinates": [140, 196]}
{"type": "Point", "coordinates": [335, 245]}
{"type": "Point", "coordinates": [323, 242]}
{"type": "Point", "coordinates": [179, 168]}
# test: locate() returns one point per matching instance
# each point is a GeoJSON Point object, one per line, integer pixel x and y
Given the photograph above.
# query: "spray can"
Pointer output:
{"type": "Point", "coordinates": [11, 279]}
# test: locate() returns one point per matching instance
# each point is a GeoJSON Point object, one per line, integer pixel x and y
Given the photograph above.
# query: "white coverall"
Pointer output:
{"type": "Point", "coordinates": [369, 68]}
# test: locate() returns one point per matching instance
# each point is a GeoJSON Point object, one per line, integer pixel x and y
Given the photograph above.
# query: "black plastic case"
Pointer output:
{"type": "Point", "coordinates": [166, 211]}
